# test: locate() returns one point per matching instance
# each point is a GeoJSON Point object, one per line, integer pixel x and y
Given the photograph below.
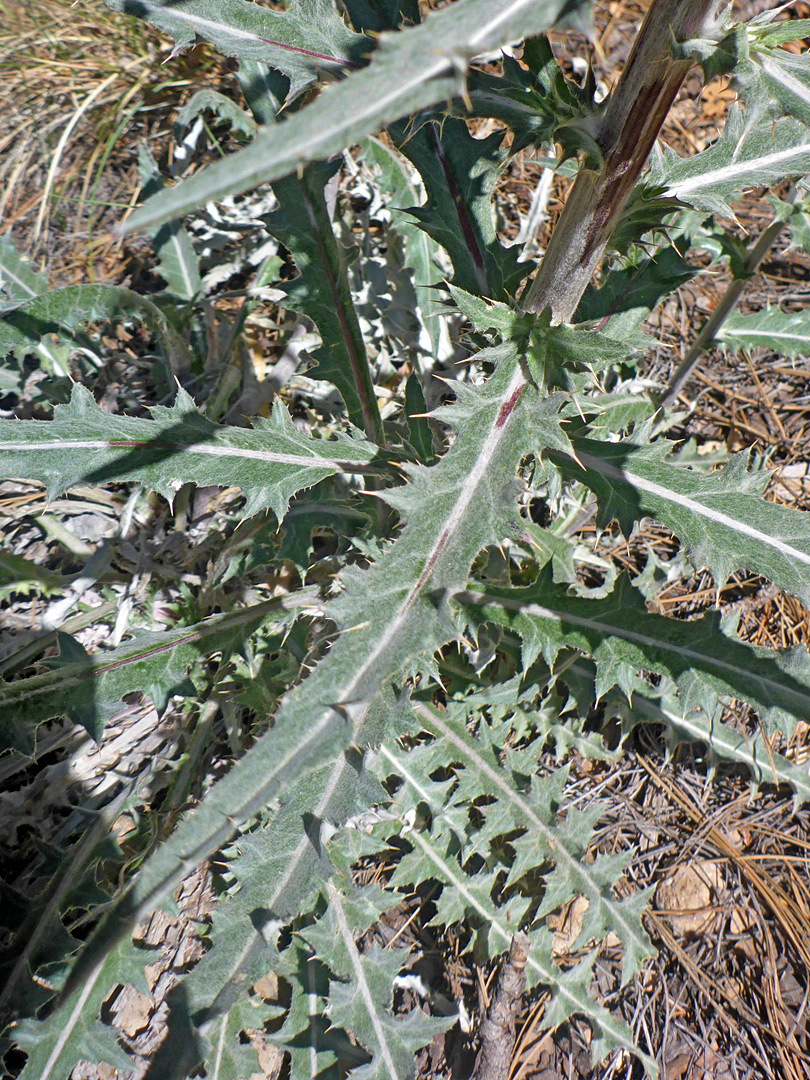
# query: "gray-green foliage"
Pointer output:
{"type": "Point", "coordinates": [437, 589]}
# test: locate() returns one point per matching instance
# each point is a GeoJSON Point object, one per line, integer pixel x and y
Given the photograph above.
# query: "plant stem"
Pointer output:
{"type": "Point", "coordinates": [626, 133]}
{"type": "Point", "coordinates": [723, 310]}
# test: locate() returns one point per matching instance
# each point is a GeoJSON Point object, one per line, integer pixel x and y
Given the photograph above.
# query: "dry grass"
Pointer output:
{"type": "Point", "coordinates": [81, 85]}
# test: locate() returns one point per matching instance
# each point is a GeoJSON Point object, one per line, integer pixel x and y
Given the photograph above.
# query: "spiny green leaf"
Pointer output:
{"type": "Point", "coordinates": [702, 656]}
{"type": "Point", "coordinates": [230, 1054]}
{"type": "Point", "coordinates": [796, 215]}
{"type": "Point", "coordinates": [452, 510]}
{"type": "Point", "coordinates": [23, 326]}
{"type": "Point", "coordinates": [379, 15]}
{"type": "Point", "coordinates": [724, 742]}
{"type": "Point", "coordinates": [456, 508]}
{"type": "Point", "coordinates": [769, 79]}
{"type": "Point", "coordinates": [552, 354]}
{"type": "Point", "coordinates": [22, 576]}
{"type": "Point", "coordinates": [435, 856]}
{"type": "Point", "coordinates": [83, 443]}
{"type": "Point", "coordinates": [538, 103]}
{"type": "Point", "coordinates": [177, 262]}
{"type": "Point", "coordinates": [306, 37]}
{"type": "Point", "coordinates": [322, 291]}
{"type": "Point", "coordinates": [88, 688]}
{"type": "Point", "coordinates": [283, 864]}
{"type": "Point", "coordinates": [398, 178]}
{"type": "Point", "coordinates": [350, 909]}
{"type": "Point", "coordinates": [42, 939]}
{"type": "Point", "coordinates": [418, 427]}
{"type": "Point", "coordinates": [313, 1044]}
{"type": "Point", "coordinates": [749, 153]}
{"type": "Point", "coordinates": [362, 1005]}
{"type": "Point", "coordinates": [719, 516]}
{"type": "Point", "coordinates": [410, 70]}
{"type": "Point", "coordinates": [225, 108]}
{"type": "Point", "coordinates": [530, 808]}
{"type": "Point", "coordinates": [73, 1030]}
{"type": "Point", "coordinates": [785, 333]}
{"type": "Point", "coordinates": [459, 174]}
{"type": "Point", "coordinates": [628, 293]}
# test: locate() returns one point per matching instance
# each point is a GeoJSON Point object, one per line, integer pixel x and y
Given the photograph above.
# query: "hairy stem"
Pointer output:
{"type": "Point", "coordinates": [626, 133]}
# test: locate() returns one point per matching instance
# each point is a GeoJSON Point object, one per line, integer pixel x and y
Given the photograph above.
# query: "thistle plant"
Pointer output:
{"type": "Point", "coordinates": [457, 634]}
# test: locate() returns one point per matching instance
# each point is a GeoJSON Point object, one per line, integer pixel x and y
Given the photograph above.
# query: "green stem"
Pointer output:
{"type": "Point", "coordinates": [727, 304]}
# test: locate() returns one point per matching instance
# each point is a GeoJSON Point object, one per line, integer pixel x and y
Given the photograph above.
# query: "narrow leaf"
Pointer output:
{"type": "Point", "coordinates": [753, 154]}
{"type": "Point", "coordinates": [703, 657]}
{"type": "Point", "coordinates": [88, 688]}
{"type": "Point", "coordinates": [361, 1005]}
{"type": "Point", "coordinates": [459, 173]}
{"type": "Point", "coordinates": [177, 261]}
{"type": "Point", "coordinates": [451, 511]}
{"type": "Point", "coordinates": [725, 742]}
{"type": "Point", "coordinates": [23, 326]}
{"type": "Point", "coordinates": [322, 291]}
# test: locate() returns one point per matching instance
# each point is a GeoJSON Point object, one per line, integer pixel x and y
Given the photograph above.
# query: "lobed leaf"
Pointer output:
{"type": "Point", "coordinates": [529, 807]}
{"type": "Point", "coordinates": [720, 516]}
{"type": "Point", "coordinates": [451, 511]}
{"type": "Point", "coordinates": [88, 688]}
{"type": "Point", "coordinates": [178, 264]}
{"type": "Point", "coordinates": [459, 173]}
{"type": "Point", "coordinates": [628, 293]}
{"type": "Point", "coordinates": [23, 576]}
{"type": "Point", "coordinates": [360, 998]}
{"type": "Point", "coordinates": [410, 70]}
{"type": "Point", "coordinates": [784, 333]}
{"type": "Point", "coordinates": [306, 38]}
{"type": "Point", "coordinates": [83, 443]}
{"type": "Point", "coordinates": [462, 858]}
{"type": "Point", "coordinates": [749, 153]}
{"type": "Point", "coordinates": [322, 291]}
{"type": "Point", "coordinates": [223, 107]}
{"type": "Point", "coordinates": [23, 325]}
{"type": "Point", "coordinates": [537, 102]}
{"type": "Point", "coordinates": [74, 1030]}
{"type": "Point", "coordinates": [703, 657]}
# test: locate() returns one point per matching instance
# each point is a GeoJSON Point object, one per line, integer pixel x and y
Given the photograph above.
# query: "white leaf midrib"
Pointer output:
{"type": "Point", "coordinates": [696, 508]}
{"type": "Point", "coordinates": [574, 868]}
{"type": "Point", "coordinates": [361, 981]}
{"type": "Point", "coordinates": [204, 449]}
{"type": "Point", "coordinates": [735, 171]}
